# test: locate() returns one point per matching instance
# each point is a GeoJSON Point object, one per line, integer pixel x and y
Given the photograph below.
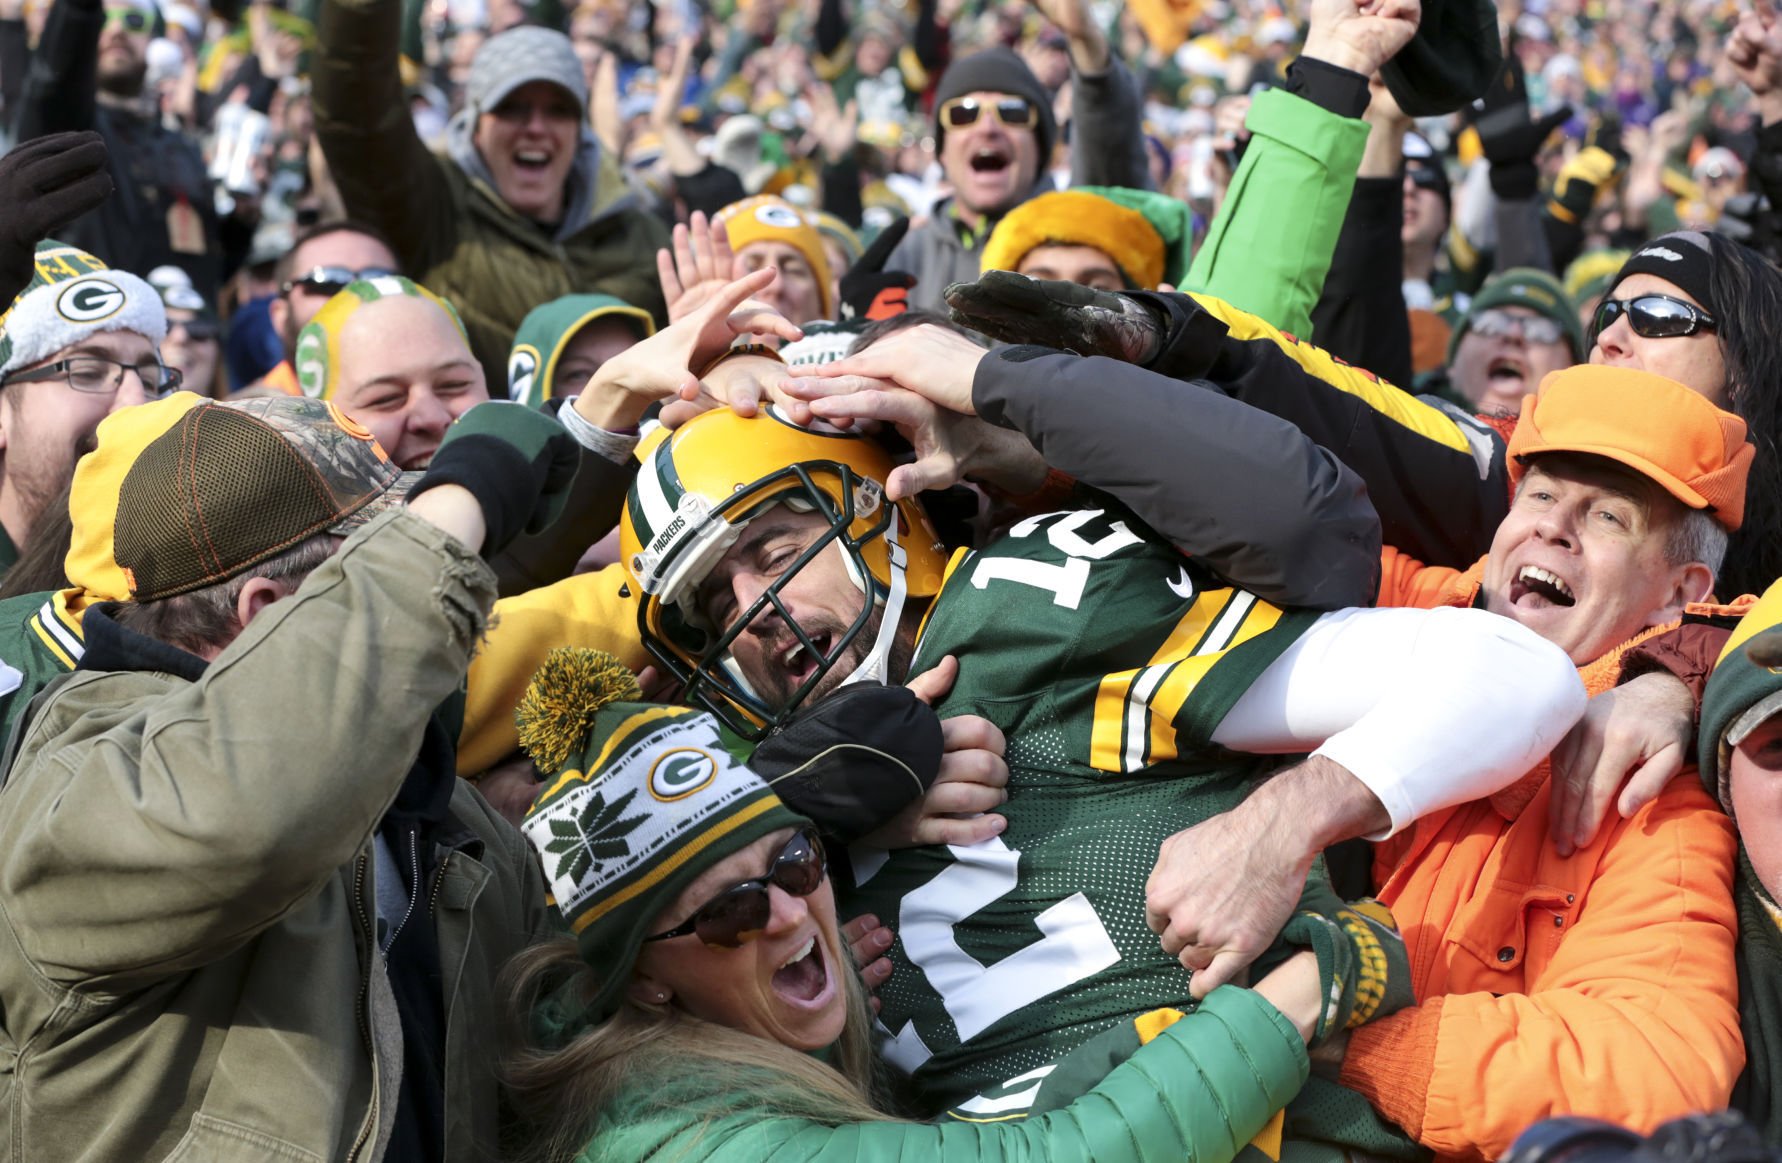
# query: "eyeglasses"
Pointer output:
{"type": "Point", "coordinates": [197, 329]}
{"type": "Point", "coordinates": [334, 280]}
{"type": "Point", "coordinates": [1531, 328]}
{"type": "Point", "coordinates": [1010, 113]}
{"type": "Point", "coordinates": [738, 915]}
{"type": "Point", "coordinates": [132, 19]}
{"type": "Point", "coordinates": [1652, 317]}
{"type": "Point", "coordinates": [101, 376]}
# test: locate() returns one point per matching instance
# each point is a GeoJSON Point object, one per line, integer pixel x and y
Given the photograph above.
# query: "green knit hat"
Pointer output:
{"type": "Point", "coordinates": [642, 799]}
{"type": "Point", "coordinates": [1744, 691]}
{"type": "Point", "coordinates": [546, 332]}
{"type": "Point", "coordinates": [1527, 287]}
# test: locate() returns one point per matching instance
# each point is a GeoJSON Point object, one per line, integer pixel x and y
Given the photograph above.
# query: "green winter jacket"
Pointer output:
{"type": "Point", "coordinates": [1196, 1092]}
{"type": "Point", "coordinates": [187, 967]}
{"type": "Point", "coordinates": [451, 231]}
{"type": "Point", "coordinates": [1269, 246]}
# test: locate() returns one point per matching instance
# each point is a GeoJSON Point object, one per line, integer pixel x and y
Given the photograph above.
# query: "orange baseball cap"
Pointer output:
{"type": "Point", "coordinates": [1655, 426]}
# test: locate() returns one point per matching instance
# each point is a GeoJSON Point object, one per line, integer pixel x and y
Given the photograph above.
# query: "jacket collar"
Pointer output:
{"type": "Point", "coordinates": [111, 646]}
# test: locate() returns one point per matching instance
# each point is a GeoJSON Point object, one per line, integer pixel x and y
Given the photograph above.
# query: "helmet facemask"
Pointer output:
{"type": "Point", "coordinates": [700, 656]}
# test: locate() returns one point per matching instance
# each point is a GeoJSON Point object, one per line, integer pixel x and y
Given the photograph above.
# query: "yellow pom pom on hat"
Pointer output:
{"type": "Point", "coordinates": [765, 218]}
{"type": "Point", "coordinates": [318, 346]}
{"type": "Point", "coordinates": [1075, 218]}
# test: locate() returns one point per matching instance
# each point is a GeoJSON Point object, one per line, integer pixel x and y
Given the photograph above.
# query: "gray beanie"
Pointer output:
{"type": "Point", "coordinates": [998, 70]}
{"type": "Point", "coordinates": [520, 56]}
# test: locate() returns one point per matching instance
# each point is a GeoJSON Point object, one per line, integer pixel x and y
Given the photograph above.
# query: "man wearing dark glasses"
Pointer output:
{"type": "Point", "coordinates": [88, 73]}
{"type": "Point", "coordinates": [995, 130]}
{"type": "Point", "coordinates": [321, 262]}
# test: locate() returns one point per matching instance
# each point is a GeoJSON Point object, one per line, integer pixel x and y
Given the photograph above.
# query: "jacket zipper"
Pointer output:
{"type": "Point", "coordinates": [365, 1000]}
{"type": "Point", "coordinates": [414, 878]}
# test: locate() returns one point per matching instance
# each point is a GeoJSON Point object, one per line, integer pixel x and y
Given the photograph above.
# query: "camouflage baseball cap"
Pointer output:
{"type": "Point", "coordinates": [228, 486]}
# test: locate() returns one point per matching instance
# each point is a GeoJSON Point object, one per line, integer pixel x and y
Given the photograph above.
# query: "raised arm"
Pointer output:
{"type": "Point", "coordinates": [385, 174]}
{"type": "Point", "coordinates": [205, 815]}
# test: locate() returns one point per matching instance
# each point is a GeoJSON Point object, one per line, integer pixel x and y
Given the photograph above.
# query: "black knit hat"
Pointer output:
{"type": "Point", "coordinates": [1454, 56]}
{"type": "Point", "coordinates": [997, 70]}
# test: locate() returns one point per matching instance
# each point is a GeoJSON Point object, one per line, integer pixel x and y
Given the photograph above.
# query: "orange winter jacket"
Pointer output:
{"type": "Point", "coordinates": [1598, 984]}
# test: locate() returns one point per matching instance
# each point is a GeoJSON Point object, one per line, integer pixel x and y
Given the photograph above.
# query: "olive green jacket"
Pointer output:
{"type": "Point", "coordinates": [187, 962]}
{"type": "Point", "coordinates": [451, 231]}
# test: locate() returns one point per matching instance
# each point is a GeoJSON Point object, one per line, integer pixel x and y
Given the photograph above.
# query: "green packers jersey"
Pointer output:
{"type": "Point", "coordinates": [1107, 659]}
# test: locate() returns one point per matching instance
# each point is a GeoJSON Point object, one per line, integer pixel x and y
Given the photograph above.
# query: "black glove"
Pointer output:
{"type": "Point", "coordinates": [1511, 137]}
{"type": "Point", "coordinates": [45, 184]}
{"type": "Point", "coordinates": [869, 292]}
{"type": "Point", "coordinates": [853, 760]}
{"type": "Point", "coordinates": [516, 461]}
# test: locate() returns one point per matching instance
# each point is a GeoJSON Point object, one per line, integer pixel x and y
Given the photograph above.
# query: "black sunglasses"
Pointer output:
{"type": "Point", "coordinates": [1010, 112]}
{"type": "Point", "coordinates": [1652, 317]}
{"type": "Point", "coordinates": [738, 915]}
{"type": "Point", "coordinates": [334, 280]}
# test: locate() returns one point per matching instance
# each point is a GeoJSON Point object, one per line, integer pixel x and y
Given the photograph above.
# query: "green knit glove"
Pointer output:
{"type": "Point", "coordinates": [1361, 960]}
{"type": "Point", "coordinates": [517, 462]}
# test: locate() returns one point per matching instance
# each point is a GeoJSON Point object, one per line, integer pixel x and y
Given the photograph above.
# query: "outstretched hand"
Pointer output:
{"type": "Point", "coordinates": [698, 267]}
{"type": "Point", "coordinates": [933, 362]}
{"type": "Point", "coordinates": [668, 362]}
{"type": "Point", "coordinates": [1361, 35]}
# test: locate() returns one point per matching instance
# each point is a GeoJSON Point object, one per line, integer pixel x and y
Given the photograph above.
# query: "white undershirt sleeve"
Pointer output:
{"type": "Point", "coordinates": [1427, 708]}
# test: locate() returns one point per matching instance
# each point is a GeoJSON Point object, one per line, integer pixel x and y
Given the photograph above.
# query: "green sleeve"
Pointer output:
{"type": "Point", "coordinates": [1270, 244]}
{"type": "Point", "coordinates": [1198, 1092]}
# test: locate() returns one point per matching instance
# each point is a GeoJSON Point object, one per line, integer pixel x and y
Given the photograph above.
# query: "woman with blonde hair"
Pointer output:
{"type": "Point", "coordinates": [708, 1006]}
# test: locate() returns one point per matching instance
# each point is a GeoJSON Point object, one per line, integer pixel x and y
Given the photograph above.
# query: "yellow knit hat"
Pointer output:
{"type": "Point", "coordinates": [1074, 218]}
{"type": "Point", "coordinates": [765, 218]}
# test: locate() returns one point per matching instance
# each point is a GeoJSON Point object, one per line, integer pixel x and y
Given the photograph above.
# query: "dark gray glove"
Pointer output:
{"type": "Point", "coordinates": [44, 185]}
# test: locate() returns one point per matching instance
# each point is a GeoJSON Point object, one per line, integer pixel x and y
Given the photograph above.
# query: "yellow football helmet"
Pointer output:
{"type": "Point", "coordinates": [697, 490]}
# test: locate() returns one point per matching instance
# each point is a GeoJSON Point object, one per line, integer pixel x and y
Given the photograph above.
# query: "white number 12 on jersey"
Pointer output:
{"type": "Point", "coordinates": [1073, 945]}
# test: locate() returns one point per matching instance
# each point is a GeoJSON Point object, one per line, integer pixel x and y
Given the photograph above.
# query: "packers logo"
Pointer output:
{"type": "Point", "coordinates": [522, 367]}
{"type": "Point", "coordinates": [311, 362]}
{"type": "Point", "coordinates": [90, 300]}
{"type": "Point", "coordinates": [681, 772]}
{"type": "Point", "coordinates": [778, 217]}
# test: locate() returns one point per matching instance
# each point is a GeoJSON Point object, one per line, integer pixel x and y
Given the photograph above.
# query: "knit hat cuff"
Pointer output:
{"type": "Point", "coordinates": [1685, 258]}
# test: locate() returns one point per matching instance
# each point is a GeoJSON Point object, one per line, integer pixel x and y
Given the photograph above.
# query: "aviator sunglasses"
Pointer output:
{"type": "Point", "coordinates": [738, 915]}
{"type": "Point", "coordinates": [1010, 112]}
{"type": "Point", "coordinates": [1652, 317]}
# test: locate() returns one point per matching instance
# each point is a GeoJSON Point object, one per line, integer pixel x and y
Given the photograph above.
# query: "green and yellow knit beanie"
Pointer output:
{"type": "Point", "coordinates": [640, 800]}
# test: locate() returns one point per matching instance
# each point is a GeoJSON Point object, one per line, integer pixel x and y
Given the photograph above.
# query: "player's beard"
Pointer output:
{"type": "Point", "coordinates": [777, 688]}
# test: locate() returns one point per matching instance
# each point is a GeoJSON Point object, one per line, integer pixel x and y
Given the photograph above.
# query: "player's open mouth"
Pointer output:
{"type": "Point", "coordinates": [804, 980]}
{"type": "Point", "coordinates": [1543, 587]}
{"type": "Point", "coordinates": [800, 663]}
{"type": "Point", "coordinates": [531, 160]}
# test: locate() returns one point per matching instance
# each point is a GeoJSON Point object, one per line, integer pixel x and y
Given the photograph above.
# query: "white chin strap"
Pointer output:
{"type": "Point", "coordinates": [876, 666]}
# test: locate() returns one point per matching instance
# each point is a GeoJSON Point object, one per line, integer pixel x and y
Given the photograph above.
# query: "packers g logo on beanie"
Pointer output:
{"type": "Point", "coordinates": [317, 359]}
{"type": "Point", "coordinates": [90, 300]}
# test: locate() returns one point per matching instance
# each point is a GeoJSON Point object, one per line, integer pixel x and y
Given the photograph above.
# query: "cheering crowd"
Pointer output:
{"type": "Point", "coordinates": [981, 579]}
